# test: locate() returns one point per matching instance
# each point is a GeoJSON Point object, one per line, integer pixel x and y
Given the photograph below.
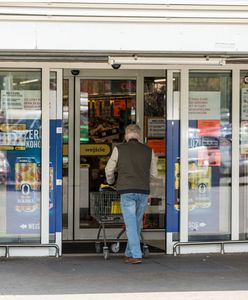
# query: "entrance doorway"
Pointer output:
{"type": "Point", "coordinates": [97, 106]}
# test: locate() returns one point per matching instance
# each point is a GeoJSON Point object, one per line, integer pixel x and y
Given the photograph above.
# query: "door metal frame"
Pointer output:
{"type": "Point", "coordinates": [138, 75]}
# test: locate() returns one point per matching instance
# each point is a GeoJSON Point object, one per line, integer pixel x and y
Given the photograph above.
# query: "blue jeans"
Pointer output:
{"type": "Point", "coordinates": [133, 207]}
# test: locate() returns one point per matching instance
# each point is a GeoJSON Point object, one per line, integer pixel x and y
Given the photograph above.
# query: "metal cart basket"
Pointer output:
{"type": "Point", "coordinates": [106, 209]}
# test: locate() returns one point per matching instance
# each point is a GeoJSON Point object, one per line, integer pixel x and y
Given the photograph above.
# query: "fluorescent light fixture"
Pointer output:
{"type": "Point", "coordinates": [29, 81]}
{"type": "Point", "coordinates": [160, 80]}
{"type": "Point", "coordinates": [134, 60]}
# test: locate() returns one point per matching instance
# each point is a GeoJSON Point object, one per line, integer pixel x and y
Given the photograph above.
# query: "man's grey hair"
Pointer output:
{"type": "Point", "coordinates": [133, 131]}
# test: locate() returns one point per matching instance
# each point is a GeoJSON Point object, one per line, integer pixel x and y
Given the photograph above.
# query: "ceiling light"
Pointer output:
{"type": "Point", "coordinates": [29, 81]}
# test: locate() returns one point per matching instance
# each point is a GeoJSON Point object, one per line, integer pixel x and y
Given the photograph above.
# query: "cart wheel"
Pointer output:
{"type": "Point", "coordinates": [98, 247]}
{"type": "Point", "coordinates": [105, 252]}
{"type": "Point", "coordinates": [115, 247]}
{"type": "Point", "coordinates": [146, 251]}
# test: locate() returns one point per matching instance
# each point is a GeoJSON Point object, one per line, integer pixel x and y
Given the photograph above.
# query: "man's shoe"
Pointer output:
{"type": "Point", "coordinates": [127, 258]}
{"type": "Point", "coordinates": [134, 261]}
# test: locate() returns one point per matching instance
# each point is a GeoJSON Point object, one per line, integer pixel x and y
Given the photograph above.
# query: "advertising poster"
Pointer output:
{"type": "Point", "coordinates": [244, 104]}
{"type": "Point", "coordinates": [203, 200]}
{"type": "Point", "coordinates": [244, 138]}
{"type": "Point", "coordinates": [23, 184]}
{"type": "Point", "coordinates": [209, 157]}
{"type": "Point", "coordinates": [21, 133]}
{"type": "Point", "coordinates": [209, 127]}
{"type": "Point", "coordinates": [158, 146]}
{"type": "Point", "coordinates": [118, 106]}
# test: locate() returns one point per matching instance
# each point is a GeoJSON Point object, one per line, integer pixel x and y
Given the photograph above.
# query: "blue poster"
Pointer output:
{"type": "Point", "coordinates": [23, 194]}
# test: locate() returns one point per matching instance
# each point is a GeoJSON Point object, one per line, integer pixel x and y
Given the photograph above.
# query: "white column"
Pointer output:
{"type": "Point", "coordinates": [184, 124]}
{"type": "Point", "coordinates": [235, 153]}
{"type": "Point", "coordinates": [45, 137]}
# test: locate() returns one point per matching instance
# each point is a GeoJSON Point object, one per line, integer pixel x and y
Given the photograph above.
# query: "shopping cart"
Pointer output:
{"type": "Point", "coordinates": [105, 208]}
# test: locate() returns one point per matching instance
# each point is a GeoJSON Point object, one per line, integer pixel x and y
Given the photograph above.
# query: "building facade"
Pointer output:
{"type": "Point", "coordinates": [73, 75]}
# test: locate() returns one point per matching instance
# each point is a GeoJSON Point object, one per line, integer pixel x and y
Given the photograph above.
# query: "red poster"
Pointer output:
{"type": "Point", "coordinates": [118, 105]}
{"type": "Point", "coordinates": [209, 128]}
{"type": "Point", "coordinates": [130, 103]}
{"type": "Point", "coordinates": [158, 146]}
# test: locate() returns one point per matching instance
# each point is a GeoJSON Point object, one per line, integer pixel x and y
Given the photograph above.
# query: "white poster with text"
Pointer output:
{"type": "Point", "coordinates": [204, 105]}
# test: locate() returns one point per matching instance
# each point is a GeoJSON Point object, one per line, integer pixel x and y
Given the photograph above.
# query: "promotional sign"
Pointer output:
{"type": "Point", "coordinates": [23, 185]}
{"type": "Point", "coordinates": [209, 127]}
{"type": "Point", "coordinates": [244, 137]}
{"type": "Point", "coordinates": [22, 134]}
{"type": "Point", "coordinates": [203, 200]}
{"type": "Point", "coordinates": [244, 104]}
{"type": "Point", "coordinates": [158, 146]}
{"type": "Point", "coordinates": [209, 157]}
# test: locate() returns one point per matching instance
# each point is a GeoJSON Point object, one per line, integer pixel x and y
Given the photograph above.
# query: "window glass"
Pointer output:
{"type": "Point", "coordinates": [107, 106]}
{"type": "Point", "coordinates": [155, 133]}
{"type": "Point", "coordinates": [243, 163]}
{"type": "Point", "coordinates": [210, 140]}
{"type": "Point", "coordinates": [65, 125]}
{"type": "Point", "coordinates": [20, 155]}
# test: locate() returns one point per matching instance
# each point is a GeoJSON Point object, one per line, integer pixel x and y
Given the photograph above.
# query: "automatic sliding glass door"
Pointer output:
{"type": "Point", "coordinates": [103, 108]}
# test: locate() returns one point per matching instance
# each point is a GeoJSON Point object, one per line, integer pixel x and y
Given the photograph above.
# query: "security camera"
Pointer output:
{"type": "Point", "coordinates": [116, 66]}
{"type": "Point", "coordinates": [75, 72]}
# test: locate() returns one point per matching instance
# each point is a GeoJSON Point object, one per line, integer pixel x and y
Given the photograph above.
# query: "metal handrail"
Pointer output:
{"type": "Point", "coordinates": [7, 246]}
{"type": "Point", "coordinates": [221, 243]}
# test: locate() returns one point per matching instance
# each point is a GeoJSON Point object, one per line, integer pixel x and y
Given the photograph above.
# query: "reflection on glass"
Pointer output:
{"type": "Point", "coordinates": [65, 124]}
{"type": "Point", "coordinates": [243, 163]}
{"type": "Point", "coordinates": [106, 107]}
{"type": "Point", "coordinates": [20, 155]}
{"type": "Point", "coordinates": [209, 155]}
{"type": "Point", "coordinates": [155, 132]}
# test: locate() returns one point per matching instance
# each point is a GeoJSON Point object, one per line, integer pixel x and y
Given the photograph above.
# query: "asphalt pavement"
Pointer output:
{"type": "Point", "coordinates": [207, 276]}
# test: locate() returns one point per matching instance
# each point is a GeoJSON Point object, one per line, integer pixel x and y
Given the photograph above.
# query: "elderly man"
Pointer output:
{"type": "Point", "coordinates": [135, 164]}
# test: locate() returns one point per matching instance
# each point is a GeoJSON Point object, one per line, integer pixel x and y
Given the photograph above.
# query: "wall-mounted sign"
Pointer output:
{"type": "Point", "coordinates": [12, 100]}
{"type": "Point", "coordinates": [156, 127]}
{"type": "Point", "coordinates": [95, 149]}
{"type": "Point", "coordinates": [204, 106]}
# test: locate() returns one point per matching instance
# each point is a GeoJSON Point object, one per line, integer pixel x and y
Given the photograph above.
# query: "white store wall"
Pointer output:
{"type": "Point", "coordinates": [156, 26]}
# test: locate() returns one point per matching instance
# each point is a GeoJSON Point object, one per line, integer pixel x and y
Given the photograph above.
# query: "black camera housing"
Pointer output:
{"type": "Point", "coordinates": [75, 72]}
{"type": "Point", "coordinates": [116, 66]}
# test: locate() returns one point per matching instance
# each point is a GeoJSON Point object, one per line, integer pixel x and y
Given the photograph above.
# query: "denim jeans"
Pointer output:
{"type": "Point", "coordinates": [133, 207]}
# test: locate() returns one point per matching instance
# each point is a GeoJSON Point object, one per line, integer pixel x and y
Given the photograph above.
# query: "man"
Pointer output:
{"type": "Point", "coordinates": [135, 163]}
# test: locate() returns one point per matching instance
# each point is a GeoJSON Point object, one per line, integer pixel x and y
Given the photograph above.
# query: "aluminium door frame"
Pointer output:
{"type": "Point", "coordinates": [184, 99]}
{"type": "Point", "coordinates": [138, 75]}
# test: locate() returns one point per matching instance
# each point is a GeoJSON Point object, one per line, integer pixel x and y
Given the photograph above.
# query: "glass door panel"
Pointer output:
{"type": "Point", "coordinates": [243, 164]}
{"type": "Point", "coordinates": [20, 156]}
{"type": "Point", "coordinates": [65, 125]}
{"type": "Point", "coordinates": [106, 106]}
{"type": "Point", "coordinates": [155, 107]}
{"type": "Point", "coordinates": [210, 144]}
